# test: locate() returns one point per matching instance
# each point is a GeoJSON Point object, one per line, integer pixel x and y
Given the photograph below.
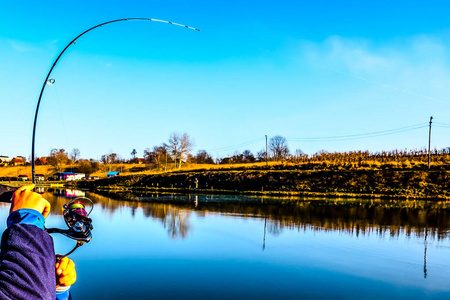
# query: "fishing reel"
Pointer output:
{"type": "Point", "coordinates": [78, 222]}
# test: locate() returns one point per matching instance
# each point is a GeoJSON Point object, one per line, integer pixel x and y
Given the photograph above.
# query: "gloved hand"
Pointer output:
{"type": "Point", "coordinates": [24, 197]}
{"type": "Point", "coordinates": [65, 272]}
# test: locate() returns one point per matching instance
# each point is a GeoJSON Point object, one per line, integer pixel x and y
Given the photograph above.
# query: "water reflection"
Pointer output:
{"type": "Point", "coordinates": [350, 216]}
{"type": "Point", "coordinates": [70, 193]}
{"type": "Point", "coordinates": [356, 217]}
{"type": "Point", "coordinates": [304, 242]}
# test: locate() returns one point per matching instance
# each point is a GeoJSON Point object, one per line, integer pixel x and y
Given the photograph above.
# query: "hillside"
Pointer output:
{"type": "Point", "coordinates": [397, 183]}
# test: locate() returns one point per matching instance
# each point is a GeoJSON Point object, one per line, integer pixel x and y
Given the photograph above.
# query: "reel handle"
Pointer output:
{"type": "Point", "coordinates": [82, 237]}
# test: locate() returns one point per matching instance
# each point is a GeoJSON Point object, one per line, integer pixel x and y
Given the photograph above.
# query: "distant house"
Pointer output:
{"type": "Point", "coordinates": [40, 177]}
{"type": "Point", "coordinates": [112, 174]}
{"type": "Point", "coordinates": [23, 177]}
{"type": "Point", "coordinates": [140, 161]}
{"type": "Point", "coordinates": [4, 160]}
{"type": "Point", "coordinates": [68, 176]}
{"type": "Point", "coordinates": [40, 161]}
{"type": "Point", "coordinates": [18, 161]}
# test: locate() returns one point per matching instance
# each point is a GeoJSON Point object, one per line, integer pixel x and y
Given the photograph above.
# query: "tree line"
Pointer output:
{"type": "Point", "coordinates": [177, 151]}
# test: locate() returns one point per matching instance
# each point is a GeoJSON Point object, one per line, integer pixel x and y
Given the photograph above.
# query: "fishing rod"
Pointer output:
{"type": "Point", "coordinates": [49, 80]}
{"type": "Point", "coordinates": [74, 212]}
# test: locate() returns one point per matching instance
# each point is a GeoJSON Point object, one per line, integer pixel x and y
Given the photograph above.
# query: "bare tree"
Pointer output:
{"type": "Point", "coordinates": [165, 148]}
{"type": "Point", "coordinates": [159, 154]}
{"type": "Point", "coordinates": [133, 155]}
{"type": "Point", "coordinates": [186, 145]}
{"type": "Point", "coordinates": [261, 155]}
{"type": "Point", "coordinates": [87, 167]}
{"type": "Point", "coordinates": [248, 156]}
{"type": "Point", "coordinates": [180, 146]}
{"type": "Point", "coordinates": [278, 147]}
{"type": "Point", "coordinates": [58, 159]}
{"type": "Point", "coordinates": [299, 155]}
{"type": "Point", "coordinates": [174, 145]}
{"type": "Point", "coordinates": [111, 158]}
{"type": "Point", "coordinates": [156, 157]}
{"type": "Point", "coordinates": [75, 155]}
{"type": "Point", "coordinates": [204, 157]}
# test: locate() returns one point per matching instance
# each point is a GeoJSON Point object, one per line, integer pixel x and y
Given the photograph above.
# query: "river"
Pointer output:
{"type": "Point", "coordinates": [232, 247]}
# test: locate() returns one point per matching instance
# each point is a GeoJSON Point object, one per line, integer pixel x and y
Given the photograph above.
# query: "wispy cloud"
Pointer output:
{"type": "Point", "coordinates": [21, 46]}
{"type": "Point", "coordinates": [418, 66]}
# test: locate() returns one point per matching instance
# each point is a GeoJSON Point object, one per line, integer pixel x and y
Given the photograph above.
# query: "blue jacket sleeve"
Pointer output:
{"type": "Point", "coordinates": [27, 260]}
{"type": "Point", "coordinates": [63, 295]}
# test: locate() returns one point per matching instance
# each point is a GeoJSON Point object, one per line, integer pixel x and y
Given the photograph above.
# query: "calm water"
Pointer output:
{"type": "Point", "coordinates": [231, 247]}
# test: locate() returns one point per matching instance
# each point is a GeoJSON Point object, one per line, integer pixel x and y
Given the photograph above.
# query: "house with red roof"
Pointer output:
{"type": "Point", "coordinates": [18, 161]}
{"type": "Point", "coordinates": [40, 161]}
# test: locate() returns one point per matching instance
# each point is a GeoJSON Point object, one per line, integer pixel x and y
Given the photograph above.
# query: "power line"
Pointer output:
{"type": "Point", "coordinates": [336, 138]}
{"type": "Point", "coordinates": [444, 124]}
{"type": "Point", "coordinates": [440, 126]}
{"type": "Point", "coordinates": [227, 148]}
{"type": "Point", "coordinates": [359, 136]}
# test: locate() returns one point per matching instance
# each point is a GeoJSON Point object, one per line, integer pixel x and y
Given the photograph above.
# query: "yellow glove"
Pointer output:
{"type": "Point", "coordinates": [65, 272]}
{"type": "Point", "coordinates": [24, 197]}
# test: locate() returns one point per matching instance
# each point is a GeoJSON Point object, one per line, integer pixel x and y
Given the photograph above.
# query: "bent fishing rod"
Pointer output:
{"type": "Point", "coordinates": [49, 80]}
{"type": "Point", "coordinates": [74, 212]}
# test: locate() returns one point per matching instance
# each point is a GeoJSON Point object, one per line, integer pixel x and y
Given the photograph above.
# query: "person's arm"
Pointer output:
{"type": "Point", "coordinates": [27, 257]}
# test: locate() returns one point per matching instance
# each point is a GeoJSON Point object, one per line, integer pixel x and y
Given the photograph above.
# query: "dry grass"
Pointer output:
{"type": "Point", "coordinates": [125, 169]}
{"type": "Point", "coordinates": [24, 170]}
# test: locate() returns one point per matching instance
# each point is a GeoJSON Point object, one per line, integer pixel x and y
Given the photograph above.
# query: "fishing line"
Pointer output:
{"type": "Point", "coordinates": [61, 114]}
{"type": "Point", "coordinates": [50, 80]}
{"type": "Point", "coordinates": [77, 219]}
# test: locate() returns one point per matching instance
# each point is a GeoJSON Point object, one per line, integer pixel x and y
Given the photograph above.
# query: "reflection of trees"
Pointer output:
{"type": "Point", "coordinates": [175, 219]}
{"type": "Point", "coordinates": [352, 217]}
{"type": "Point", "coordinates": [275, 228]}
{"type": "Point", "coordinates": [177, 223]}
{"type": "Point", "coordinates": [362, 219]}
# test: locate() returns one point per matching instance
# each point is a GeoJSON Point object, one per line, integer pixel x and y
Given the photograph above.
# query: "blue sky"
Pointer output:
{"type": "Point", "coordinates": [295, 68]}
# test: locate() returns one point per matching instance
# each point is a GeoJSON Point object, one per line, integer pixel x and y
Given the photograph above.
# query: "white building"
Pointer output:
{"type": "Point", "coordinates": [4, 160]}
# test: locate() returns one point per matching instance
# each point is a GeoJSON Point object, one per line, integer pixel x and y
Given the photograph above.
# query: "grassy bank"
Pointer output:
{"type": "Point", "coordinates": [386, 183]}
{"type": "Point", "coordinates": [309, 179]}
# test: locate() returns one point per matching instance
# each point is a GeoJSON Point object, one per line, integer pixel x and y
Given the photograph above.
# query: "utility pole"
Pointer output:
{"type": "Point", "coordinates": [264, 240]}
{"type": "Point", "coordinates": [429, 143]}
{"type": "Point", "coordinates": [165, 166]}
{"type": "Point", "coordinates": [267, 163]}
{"type": "Point", "coordinates": [425, 254]}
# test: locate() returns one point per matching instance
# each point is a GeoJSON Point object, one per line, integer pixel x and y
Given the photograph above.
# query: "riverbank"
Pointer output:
{"type": "Point", "coordinates": [387, 183]}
